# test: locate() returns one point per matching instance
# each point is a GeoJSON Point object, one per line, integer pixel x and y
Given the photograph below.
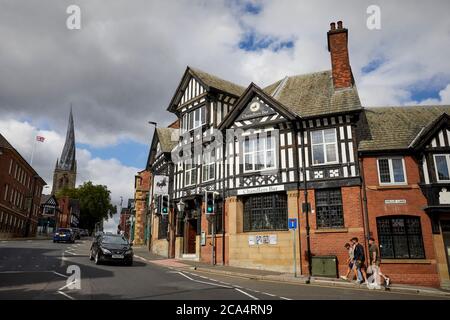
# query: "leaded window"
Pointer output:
{"type": "Point", "coordinates": [163, 226]}
{"type": "Point", "coordinates": [324, 146]}
{"type": "Point", "coordinates": [265, 212]}
{"type": "Point", "coordinates": [391, 171]}
{"type": "Point", "coordinates": [190, 173]}
{"type": "Point", "coordinates": [400, 238]}
{"type": "Point", "coordinates": [329, 211]}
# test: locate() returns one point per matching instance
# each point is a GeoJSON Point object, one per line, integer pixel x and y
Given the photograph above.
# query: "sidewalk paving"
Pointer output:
{"type": "Point", "coordinates": [27, 238]}
{"type": "Point", "coordinates": [257, 274]}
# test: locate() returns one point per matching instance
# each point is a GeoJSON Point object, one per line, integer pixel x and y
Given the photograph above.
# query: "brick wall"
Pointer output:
{"type": "Point", "coordinates": [419, 272]}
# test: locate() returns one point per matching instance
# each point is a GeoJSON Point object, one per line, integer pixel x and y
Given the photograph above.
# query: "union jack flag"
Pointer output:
{"type": "Point", "coordinates": [40, 138]}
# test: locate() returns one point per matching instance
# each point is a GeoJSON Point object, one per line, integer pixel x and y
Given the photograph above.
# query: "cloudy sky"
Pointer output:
{"type": "Point", "coordinates": [121, 68]}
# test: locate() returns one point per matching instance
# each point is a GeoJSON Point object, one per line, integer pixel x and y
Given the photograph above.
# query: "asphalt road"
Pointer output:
{"type": "Point", "coordinates": [41, 269]}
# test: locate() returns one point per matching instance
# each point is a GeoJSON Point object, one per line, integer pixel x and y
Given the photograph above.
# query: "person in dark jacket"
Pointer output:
{"type": "Point", "coordinates": [359, 258]}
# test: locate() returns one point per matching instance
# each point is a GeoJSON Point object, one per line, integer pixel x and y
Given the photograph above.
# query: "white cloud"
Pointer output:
{"type": "Point", "coordinates": [117, 177]}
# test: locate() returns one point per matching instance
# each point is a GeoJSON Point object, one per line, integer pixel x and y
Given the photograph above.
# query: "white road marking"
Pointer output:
{"type": "Point", "coordinates": [60, 274]}
{"type": "Point", "coordinates": [204, 282]}
{"type": "Point", "coordinates": [66, 295]}
{"type": "Point", "coordinates": [284, 298]}
{"type": "Point", "coordinates": [269, 294]}
{"type": "Point", "coordinates": [247, 294]}
{"type": "Point", "coordinates": [66, 285]}
{"type": "Point", "coordinates": [63, 258]}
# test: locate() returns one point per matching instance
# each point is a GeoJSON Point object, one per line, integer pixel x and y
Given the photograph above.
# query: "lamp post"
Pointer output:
{"type": "Point", "coordinates": [151, 200]}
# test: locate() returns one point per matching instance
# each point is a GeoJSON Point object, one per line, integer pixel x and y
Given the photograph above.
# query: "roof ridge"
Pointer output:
{"type": "Point", "coordinates": [280, 87]}
{"type": "Point", "coordinates": [215, 76]}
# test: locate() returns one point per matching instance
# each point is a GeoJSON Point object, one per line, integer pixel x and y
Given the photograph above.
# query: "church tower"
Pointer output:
{"type": "Point", "coordinates": [65, 173]}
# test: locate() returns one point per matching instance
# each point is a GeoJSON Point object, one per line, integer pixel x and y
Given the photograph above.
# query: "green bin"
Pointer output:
{"type": "Point", "coordinates": [324, 266]}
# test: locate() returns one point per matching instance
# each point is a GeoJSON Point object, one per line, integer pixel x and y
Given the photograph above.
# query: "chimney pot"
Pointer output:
{"type": "Point", "coordinates": [339, 24]}
{"type": "Point", "coordinates": [333, 26]}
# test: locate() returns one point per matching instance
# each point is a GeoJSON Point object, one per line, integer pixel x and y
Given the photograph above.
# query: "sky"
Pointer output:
{"type": "Point", "coordinates": [121, 68]}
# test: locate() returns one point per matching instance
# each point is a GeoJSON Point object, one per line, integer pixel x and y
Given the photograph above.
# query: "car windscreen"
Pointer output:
{"type": "Point", "coordinates": [63, 230]}
{"type": "Point", "coordinates": [114, 240]}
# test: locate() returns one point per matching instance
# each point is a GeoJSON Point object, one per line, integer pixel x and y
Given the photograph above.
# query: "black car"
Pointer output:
{"type": "Point", "coordinates": [111, 248]}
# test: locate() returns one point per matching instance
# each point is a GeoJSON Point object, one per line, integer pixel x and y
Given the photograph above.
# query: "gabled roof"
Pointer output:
{"type": "Point", "coordinates": [246, 97]}
{"type": "Point", "coordinates": [48, 199]}
{"type": "Point", "coordinates": [396, 128]}
{"type": "Point", "coordinates": [313, 94]}
{"type": "Point", "coordinates": [209, 81]}
{"type": "Point", "coordinates": [168, 139]}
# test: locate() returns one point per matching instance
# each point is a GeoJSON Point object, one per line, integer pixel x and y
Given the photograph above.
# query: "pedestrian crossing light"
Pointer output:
{"type": "Point", "coordinates": [165, 204]}
{"type": "Point", "coordinates": [209, 202]}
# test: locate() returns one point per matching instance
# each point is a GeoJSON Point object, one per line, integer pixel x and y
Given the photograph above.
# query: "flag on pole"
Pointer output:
{"type": "Point", "coordinates": [40, 138]}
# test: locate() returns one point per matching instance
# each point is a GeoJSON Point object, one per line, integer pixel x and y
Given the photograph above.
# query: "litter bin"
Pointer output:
{"type": "Point", "coordinates": [324, 266]}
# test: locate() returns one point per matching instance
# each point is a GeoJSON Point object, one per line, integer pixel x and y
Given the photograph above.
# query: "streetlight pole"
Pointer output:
{"type": "Point", "coordinates": [151, 200]}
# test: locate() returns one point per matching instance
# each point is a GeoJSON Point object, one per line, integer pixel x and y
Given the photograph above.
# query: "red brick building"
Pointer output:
{"type": "Point", "coordinates": [20, 193]}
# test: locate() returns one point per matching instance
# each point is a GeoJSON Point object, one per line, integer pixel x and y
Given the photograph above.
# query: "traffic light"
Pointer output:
{"type": "Point", "coordinates": [210, 202]}
{"type": "Point", "coordinates": [165, 204]}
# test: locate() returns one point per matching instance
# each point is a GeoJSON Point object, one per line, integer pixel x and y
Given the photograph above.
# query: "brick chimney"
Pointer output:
{"type": "Point", "coordinates": [338, 48]}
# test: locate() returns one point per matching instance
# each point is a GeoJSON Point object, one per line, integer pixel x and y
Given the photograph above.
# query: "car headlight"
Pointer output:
{"type": "Point", "coordinates": [106, 251]}
{"type": "Point", "coordinates": [56, 234]}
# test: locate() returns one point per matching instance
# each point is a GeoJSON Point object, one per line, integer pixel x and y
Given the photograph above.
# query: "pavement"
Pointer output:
{"type": "Point", "coordinates": [43, 270]}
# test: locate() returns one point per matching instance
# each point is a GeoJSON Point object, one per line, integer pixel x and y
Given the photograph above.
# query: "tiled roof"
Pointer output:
{"type": "Point", "coordinates": [313, 94]}
{"type": "Point", "coordinates": [218, 83]}
{"type": "Point", "coordinates": [391, 128]}
{"type": "Point", "coordinates": [168, 138]}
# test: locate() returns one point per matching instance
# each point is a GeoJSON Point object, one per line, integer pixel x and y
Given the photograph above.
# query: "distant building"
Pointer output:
{"type": "Point", "coordinates": [69, 213]}
{"type": "Point", "coordinates": [65, 173]}
{"type": "Point", "coordinates": [49, 214]}
{"type": "Point", "coordinates": [20, 193]}
{"type": "Point", "coordinates": [141, 194]}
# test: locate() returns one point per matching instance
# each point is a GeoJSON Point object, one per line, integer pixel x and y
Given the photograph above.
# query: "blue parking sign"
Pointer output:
{"type": "Point", "coordinates": [292, 223]}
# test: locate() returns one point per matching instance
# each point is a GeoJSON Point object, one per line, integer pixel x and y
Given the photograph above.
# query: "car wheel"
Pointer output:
{"type": "Point", "coordinates": [97, 258]}
{"type": "Point", "coordinates": [54, 241]}
{"type": "Point", "coordinates": [129, 263]}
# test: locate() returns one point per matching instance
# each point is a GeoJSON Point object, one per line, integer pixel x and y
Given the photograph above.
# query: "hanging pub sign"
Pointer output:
{"type": "Point", "coordinates": [161, 185]}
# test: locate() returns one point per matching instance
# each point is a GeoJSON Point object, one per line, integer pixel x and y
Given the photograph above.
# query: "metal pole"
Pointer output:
{"type": "Point", "coordinates": [32, 152]}
{"type": "Point", "coordinates": [213, 234]}
{"type": "Point", "coordinates": [295, 253]}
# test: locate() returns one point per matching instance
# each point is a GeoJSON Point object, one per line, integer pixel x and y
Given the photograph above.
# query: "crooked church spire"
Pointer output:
{"type": "Point", "coordinates": [67, 160]}
{"type": "Point", "coordinates": [66, 167]}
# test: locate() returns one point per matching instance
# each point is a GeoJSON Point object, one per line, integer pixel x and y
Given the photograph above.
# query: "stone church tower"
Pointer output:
{"type": "Point", "coordinates": [65, 173]}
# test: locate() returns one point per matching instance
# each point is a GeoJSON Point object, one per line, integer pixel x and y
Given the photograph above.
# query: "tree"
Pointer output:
{"type": "Point", "coordinates": [95, 203]}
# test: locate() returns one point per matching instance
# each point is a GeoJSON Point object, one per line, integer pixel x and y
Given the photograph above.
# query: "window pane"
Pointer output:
{"type": "Point", "coordinates": [416, 247]}
{"type": "Point", "coordinates": [259, 161]}
{"type": "Point", "coordinates": [331, 152]}
{"type": "Point", "coordinates": [191, 121]}
{"type": "Point", "coordinates": [248, 162]}
{"type": "Point", "coordinates": [247, 144]}
{"type": "Point", "coordinates": [270, 159]}
{"type": "Point", "coordinates": [318, 155]}
{"type": "Point", "coordinates": [211, 171]}
{"type": "Point", "coordinates": [265, 212]}
{"type": "Point", "coordinates": [330, 135]}
{"type": "Point", "coordinates": [386, 246]}
{"type": "Point", "coordinates": [329, 208]}
{"type": "Point", "coordinates": [383, 167]}
{"type": "Point", "coordinates": [316, 137]}
{"type": "Point", "coordinates": [401, 247]}
{"type": "Point", "coordinates": [203, 111]}
{"type": "Point", "coordinates": [397, 166]}
{"type": "Point", "coordinates": [442, 169]}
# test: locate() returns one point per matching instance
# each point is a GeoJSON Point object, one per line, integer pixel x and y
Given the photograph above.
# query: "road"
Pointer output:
{"type": "Point", "coordinates": [38, 269]}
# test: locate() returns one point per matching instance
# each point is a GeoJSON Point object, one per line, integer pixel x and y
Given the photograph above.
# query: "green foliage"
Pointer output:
{"type": "Point", "coordinates": [95, 203]}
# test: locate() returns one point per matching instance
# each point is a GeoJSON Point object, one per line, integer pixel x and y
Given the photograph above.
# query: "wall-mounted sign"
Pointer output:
{"type": "Point", "coordinates": [262, 239]}
{"type": "Point", "coordinates": [395, 201]}
{"type": "Point", "coordinates": [260, 190]}
{"type": "Point", "coordinates": [203, 239]}
{"type": "Point", "coordinates": [161, 185]}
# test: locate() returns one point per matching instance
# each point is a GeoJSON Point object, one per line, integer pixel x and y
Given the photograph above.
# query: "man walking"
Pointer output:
{"type": "Point", "coordinates": [359, 258]}
{"type": "Point", "coordinates": [350, 261]}
{"type": "Point", "coordinates": [375, 260]}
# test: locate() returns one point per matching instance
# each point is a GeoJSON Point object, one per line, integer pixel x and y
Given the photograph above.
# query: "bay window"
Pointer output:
{"type": "Point", "coordinates": [194, 119]}
{"type": "Point", "coordinates": [324, 146]}
{"type": "Point", "coordinates": [190, 173]}
{"type": "Point", "coordinates": [259, 152]}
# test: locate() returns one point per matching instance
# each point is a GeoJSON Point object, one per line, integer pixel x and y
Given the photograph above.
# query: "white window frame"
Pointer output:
{"type": "Point", "coordinates": [209, 163]}
{"type": "Point", "coordinates": [253, 153]}
{"type": "Point", "coordinates": [6, 192]}
{"type": "Point", "coordinates": [391, 171]}
{"type": "Point", "coordinates": [190, 114]}
{"type": "Point", "coordinates": [324, 148]}
{"type": "Point", "coordinates": [447, 158]}
{"type": "Point", "coordinates": [186, 171]}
